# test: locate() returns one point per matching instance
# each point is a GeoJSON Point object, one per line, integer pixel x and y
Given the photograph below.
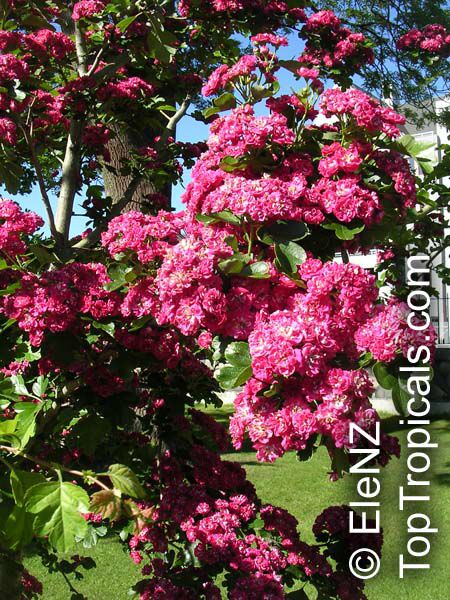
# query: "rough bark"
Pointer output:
{"type": "Point", "coordinates": [116, 184]}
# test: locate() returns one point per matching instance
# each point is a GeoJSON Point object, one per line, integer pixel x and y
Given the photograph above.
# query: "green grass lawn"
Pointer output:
{"type": "Point", "coordinates": [304, 489]}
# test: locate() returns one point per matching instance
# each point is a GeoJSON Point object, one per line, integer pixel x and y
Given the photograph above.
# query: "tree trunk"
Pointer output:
{"type": "Point", "coordinates": [120, 149]}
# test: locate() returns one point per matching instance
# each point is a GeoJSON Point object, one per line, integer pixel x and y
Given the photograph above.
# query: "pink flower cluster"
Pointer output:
{"type": "Point", "coordinates": [131, 88]}
{"type": "Point", "coordinates": [347, 199]}
{"type": "Point", "coordinates": [46, 43]}
{"type": "Point", "coordinates": [293, 353]}
{"type": "Point", "coordinates": [188, 284]}
{"type": "Point", "coordinates": [12, 68]}
{"type": "Point", "coordinates": [295, 340]}
{"type": "Point", "coordinates": [15, 223]}
{"type": "Point", "coordinates": [387, 334]}
{"type": "Point", "coordinates": [53, 301]}
{"type": "Point", "coordinates": [331, 45]}
{"type": "Point", "coordinates": [219, 527]}
{"type": "Point", "coordinates": [287, 190]}
{"type": "Point", "coordinates": [242, 131]}
{"type": "Point", "coordinates": [224, 75]}
{"type": "Point", "coordinates": [8, 131]}
{"type": "Point", "coordinates": [143, 236]}
{"type": "Point", "coordinates": [261, 199]}
{"type": "Point", "coordinates": [337, 158]}
{"type": "Point", "coordinates": [433, 39]}
{"type": "Point", "coordinates": [397, 167]}
{"type": "Point", "coordinates": [292, 418]}
{"type": "Point", "coordinates": [86, 9]}
{"type": "Point", "coordinates": [367, 112]}
{"type": "Point", "coordinates": [269, 38]}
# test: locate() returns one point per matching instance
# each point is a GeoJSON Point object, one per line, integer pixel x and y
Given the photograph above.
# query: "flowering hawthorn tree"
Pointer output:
{"type": "Point", "coordinates": [112, 339]}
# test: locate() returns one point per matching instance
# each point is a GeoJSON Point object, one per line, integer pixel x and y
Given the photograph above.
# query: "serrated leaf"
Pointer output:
{"type": "Point", "coordinates": [58, 507]}
{"type": "Point", "coordinates": [19, 385]}
{"type": "Point", "coordinates": [126, 481]}
{"type": "Point", "coordinates": [27, 413]}
{"type": "Point", "coordinates": [8, 427]}
{"type": "Point", "coordinates": [289, 256]}
{"type": "Point", "coordinates": [232, 266]}
{"type": "Point", "coordinates": [233, 163]}
{"type": "Point", "coordinates": [21, 481]}
{"type": "Point", "coordinates": [107, 504]}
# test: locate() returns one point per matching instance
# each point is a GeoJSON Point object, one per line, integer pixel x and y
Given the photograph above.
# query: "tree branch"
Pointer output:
{"type": "Point", "coordinates": [171, 125]}
{"type": "Point", "coordinates": [53, 466]}
{"type": "Point", "coordinates": [41, 182]}
{"type": "Point", "coordinates": [70, 180]}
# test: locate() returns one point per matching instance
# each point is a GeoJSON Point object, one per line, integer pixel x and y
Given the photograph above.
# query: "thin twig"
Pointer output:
{"type": "Point", "coordinates": [40, 177]}
{"type": "Point", "coordinates": [53, 466]}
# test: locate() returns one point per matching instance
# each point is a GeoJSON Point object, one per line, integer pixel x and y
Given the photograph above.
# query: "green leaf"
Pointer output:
{"type": "Point", "coordinates": [21, 481]}
{"type": "Point", "coordinates": [225, 101]}
{"type": "Point", "coordinates": [160, 41]}
{"type": "Point", "coordinates": [27, 413]}
{"type": "Point", "coordinates": [224, 215]}
{"type": "Point", "coordinates": [125, 23]}
{"type": "Point", "coordinates": [230, 377]}
{"type": "Point", "coordinates": [58, 506]}
{"type": "Point", "coordinates": [42, 254]}
{"type": "Point", "coordinates": [233, 163]}
{"type": "Point", "coordinates": [382, 375]}
{"type": "Point", "coordinates": [90, 432]}
{"type": "Point", "coordinates": [107, 504]}
{"type": "Point", "coordinates": [411, 146]}
{"type": "Point", "coordinates": [19, 385]}
{"type": "Point", "coordinates": [233, 265]}
{"type": "Point", "coordinates": [40, 386]}
{"type": "Point", "coordinates": [108, 328]}
{"type": "Point", "coordinates": [426, 165]}
{"type": "Point", "coordinates": [126, 481]}
{"type": "Point", "coordinates": [8, 427]}
{"type": "Point", "coordinates": [238, 354]}
{"type": "Point", "coordinates": [18, 529]}
{"type": "Point", "coordinates": [297, 595]}
{"type": "Point", "coordinates": [289, 256]}
{"type": "Point", "coordinates": [342, 232]}
{"type": "Point", "coordinates": [291, 65]}
{"type": "Point", "coordinates": [282, 231]}
{"type": "Point", "coordinates": [401, 397]}
{"type": "Point", "coordinates": [256, 270]}
{"type": "Point", "coordinates": [238, 368]}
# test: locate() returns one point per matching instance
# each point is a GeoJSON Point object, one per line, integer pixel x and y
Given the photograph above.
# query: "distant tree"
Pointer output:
{"type": "Point", "coordinates": [403, 76]}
